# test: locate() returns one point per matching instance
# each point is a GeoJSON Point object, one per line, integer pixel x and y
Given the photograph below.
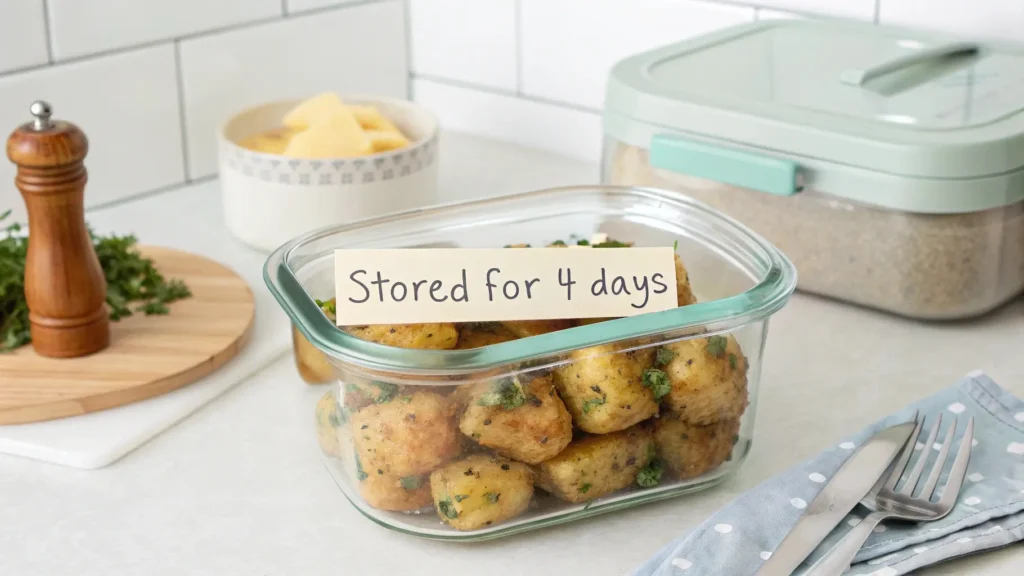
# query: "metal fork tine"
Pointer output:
{"type": "Point", "coordinates": [956, 474]}
{"type": "Point", "coordinates": [901, 464]}
{"type": "Point", "coordinates": [940, 463]}
{"type": "Point", "coordinates": [908, 488]}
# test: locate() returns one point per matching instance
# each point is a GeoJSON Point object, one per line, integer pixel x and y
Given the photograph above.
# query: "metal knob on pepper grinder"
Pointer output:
{"type": "Point", "coordinates": [65, 288]}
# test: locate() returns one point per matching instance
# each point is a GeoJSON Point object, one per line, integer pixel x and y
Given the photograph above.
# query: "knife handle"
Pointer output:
{"type": "Point", "coordinates": [839, 557]}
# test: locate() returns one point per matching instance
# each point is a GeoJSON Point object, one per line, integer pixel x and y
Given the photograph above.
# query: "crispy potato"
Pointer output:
{"type": "Point", "coordinates": [535, 430]}
{"type": "Point", "coordinates": [527, 328]}
{"type": "Point", "coordinates": [360, 394]}
{"type": "Point", "coordinates": [398, 494]}
{"type": "Point", "coordinates": [481, 490]}
{"type": "Point", "coordinates": [597, 465]}
{"type": "Point", "coordinates": [329, 418]}
{"type": "Point", "coordinates": [480, 334]}
{"type": "Point", "coordinates": [442, 336]}
{"type": "Point", "coordinates": [312, 364]}
{"type": "Point", "coordinates": [688, 450]}
{"type": "Point", "coordinates": [684, 295]}
{"type": "Point", "coordinates": [604, 390]}
{"type": "Point", "coordinates": [708, 378]}
{"type": "Point", "coordinates": [407, 436]}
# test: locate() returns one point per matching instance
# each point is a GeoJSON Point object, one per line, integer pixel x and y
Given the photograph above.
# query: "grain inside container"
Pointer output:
{"type": "Point", "coordinates": [887, 164]}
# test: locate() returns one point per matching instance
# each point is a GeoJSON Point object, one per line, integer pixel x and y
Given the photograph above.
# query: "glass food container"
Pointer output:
{"type": "Point", "coordinates": [505, 427]}
{"type": "Point", "coordinates": [888, 164]}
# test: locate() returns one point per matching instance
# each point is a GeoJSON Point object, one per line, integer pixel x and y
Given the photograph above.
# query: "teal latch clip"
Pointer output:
{"type": "Point", "coordinates": [726, 165]}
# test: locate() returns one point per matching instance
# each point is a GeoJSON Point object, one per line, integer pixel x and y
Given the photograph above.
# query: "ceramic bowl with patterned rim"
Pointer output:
{"type": "Point", "coordinates": [270, 199]}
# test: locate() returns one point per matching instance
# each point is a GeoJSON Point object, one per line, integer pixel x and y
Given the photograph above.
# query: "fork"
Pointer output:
{"type": "Point", "coordinates": [888, 502]}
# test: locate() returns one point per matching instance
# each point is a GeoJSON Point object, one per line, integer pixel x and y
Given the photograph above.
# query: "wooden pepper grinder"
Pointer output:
{"type": "Point", "coordinates": [64, 285]}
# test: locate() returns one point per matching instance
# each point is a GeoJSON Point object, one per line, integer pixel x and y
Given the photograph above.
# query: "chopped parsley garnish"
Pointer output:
{"type": "Point", "coordinates": [360, 474]}
{"type": "Point", "coordinates": [492, 497]}
{"type": "Point", "coordinates": [329, 307]}
{"type": "Point", "coordinates": [612, 244]}
{"type": "Point", "coordinates": [558, 243]}
{"type": "Point", "coordinates": [133, 283]}
{"type": "Point", "coordinates": [585, 488]}
{"type": "Point", "coordinates": [507, 393]}
{"type": "Point", "coordinates": [447, 509]}
{"type": "Point", "coordinates": [733, 360]}
{"type": "Point", "coordinates": [411, 482]}
{"type": "Point", "coordinates": [675, 246]}
{"type": "Point", "coordinates": [658, 382]}
{"type": "Point", "coordinates": [583, 243]}
{"type": "Point", "coordinates": [338, 416]}
{"type": "Point", "coordinates": [405, 399]}
{"type": "Point", "coordinates": [716, 345]}
{"type": "Point", "coordinates": [591, 404]}
{"type": "Point", "coordinates": [461, 497]}
{"type": "Point", "coordinates": [650, 475]}
{"type": "Point", "coordinates": [387, 391]}
{"type": "Point", "coordinates": [664, 356]}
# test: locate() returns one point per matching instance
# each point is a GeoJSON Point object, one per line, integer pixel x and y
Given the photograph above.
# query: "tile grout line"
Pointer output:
{"type": "Point", "coordinates": [150, 193]}
{"type": "Point", "coordinates": [407, 23]}
{"type": "Point", "coordinates": [519, 46]}
{"type": "Point", "coordinates": [507, 93]}
{"type": "Point", "coordinates": [179, 79]}
{"type": "Point", "coordinates": [48, 31]}
{"type": "Point", "coordinates": [189, 36]}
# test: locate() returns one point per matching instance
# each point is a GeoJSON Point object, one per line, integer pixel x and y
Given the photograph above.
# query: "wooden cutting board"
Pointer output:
{"type": "Point", "coordinates": [147, 356]}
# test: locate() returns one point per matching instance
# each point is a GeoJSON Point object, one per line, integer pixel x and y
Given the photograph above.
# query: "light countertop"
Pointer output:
{"type": "Point", "coordinates": [239, 488]}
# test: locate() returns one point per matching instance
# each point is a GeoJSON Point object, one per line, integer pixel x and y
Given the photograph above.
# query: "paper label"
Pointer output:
{"type": "Point", "coordinates": [412, 286]}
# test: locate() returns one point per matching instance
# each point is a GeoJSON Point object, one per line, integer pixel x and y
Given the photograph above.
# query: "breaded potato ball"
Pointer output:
{"type": "Point", "coordinates": [527, 328]}
{"type": "Point", "coordinates": [480, 334]}
{"type": "Point", "coordinates": [481, 490]}
{"type": "Point", "coordinates": [329, 419]}
{"type": "Point", "coordinates": [441, 336]}
{"type": "Point", "coordinates": [688, 450]}
{"type": "Point", "coordinates": [312, 364]}
{"type": "Point", "coordinates": [360, 394]}
{"type": "Point", "coordinates": [684, 295]}
{"type": "Point", "coordinates": [406, 436]}
{"type": "Point", "coordinates": [394, 493]}
{"type": "Point", "coordinates": [603, 388]}
{"type": "Point", "coordinates": [527, 423]}
{"type": "Point", "coordinates": [708, 379]}
{"type": "Point", "coordinates": [597, 465]}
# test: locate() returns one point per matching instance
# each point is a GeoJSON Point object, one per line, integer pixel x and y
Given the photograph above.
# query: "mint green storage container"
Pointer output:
{"type": "Point", "coordinates": [887, 164]}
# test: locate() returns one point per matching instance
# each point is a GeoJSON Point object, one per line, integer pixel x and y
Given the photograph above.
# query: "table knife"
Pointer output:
{"type": "Point", "coordinates": [842, 493]}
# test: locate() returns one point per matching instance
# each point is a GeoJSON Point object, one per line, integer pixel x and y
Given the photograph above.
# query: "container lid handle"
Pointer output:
{"type": "Point", "coordinates": [857, 77]}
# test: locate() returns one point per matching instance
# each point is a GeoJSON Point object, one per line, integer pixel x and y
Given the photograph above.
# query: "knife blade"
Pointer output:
{"type": "Point", "coordinates": [842, 493]}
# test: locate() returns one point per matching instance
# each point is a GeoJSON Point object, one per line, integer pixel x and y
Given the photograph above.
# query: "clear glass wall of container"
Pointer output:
{"type": "Point", "coordinates": [505, 427]}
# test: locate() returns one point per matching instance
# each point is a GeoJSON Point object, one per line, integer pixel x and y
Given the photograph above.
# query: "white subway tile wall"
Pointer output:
{"type": "Point", "coordinates": [149, 81]}
{"type": "Point", "coordinates": [22, 34]}
{"type": "Point", "coordinates": [540, 125]}
{"type": "Point", "coordinates": [223, 74]}
{"type": "Point", "coordinates": [465, 40]}
{"type": "Point", "coordinates": [82, 27]}
{"type": "Point", "coordinates": [132, 125]}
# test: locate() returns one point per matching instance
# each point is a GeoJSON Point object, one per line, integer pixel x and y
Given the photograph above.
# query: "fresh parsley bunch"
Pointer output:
{"type": "Point", "coordinates": [133, 282]}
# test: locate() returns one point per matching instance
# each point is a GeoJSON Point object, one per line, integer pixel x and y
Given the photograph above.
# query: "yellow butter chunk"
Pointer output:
{"type": "Point", "coordinates": [386, 141]}
{"type": "Point", "coordinates": [336, 137]}
{"type": "Point", "coordinates": [315, 110]}
{"type": "Point", "coordinates": [371, 119]}
{"type": "Point", "coordinates": [270, 142]}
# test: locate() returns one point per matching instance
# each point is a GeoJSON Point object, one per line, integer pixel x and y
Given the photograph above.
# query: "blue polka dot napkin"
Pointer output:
{"type": "Point", "coordinates": [989, 512]}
